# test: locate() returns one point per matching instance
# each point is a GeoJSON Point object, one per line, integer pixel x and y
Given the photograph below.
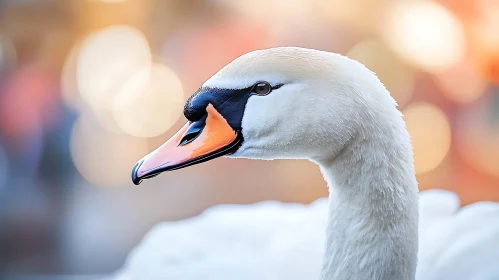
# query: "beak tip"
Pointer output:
{"type": "Point", "coordinates": [135, 177]}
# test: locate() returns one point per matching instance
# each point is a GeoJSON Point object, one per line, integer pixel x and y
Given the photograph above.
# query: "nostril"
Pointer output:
{"type": "Point", "coordinates": [189, 136]}
{"type": "Point", "coordinates": [193, 131]}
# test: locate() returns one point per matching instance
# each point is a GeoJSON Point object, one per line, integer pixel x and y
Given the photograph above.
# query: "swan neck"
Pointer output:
{"type": "Point", "coordinates": [373, 210]}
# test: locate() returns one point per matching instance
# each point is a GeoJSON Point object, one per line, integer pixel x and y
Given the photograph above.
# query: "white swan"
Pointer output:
{"type": "Point", "coordinates": [307, 104]}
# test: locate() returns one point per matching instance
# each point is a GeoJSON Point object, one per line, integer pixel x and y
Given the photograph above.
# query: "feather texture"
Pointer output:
{"type": "Point", "coordinates": [273, 241]}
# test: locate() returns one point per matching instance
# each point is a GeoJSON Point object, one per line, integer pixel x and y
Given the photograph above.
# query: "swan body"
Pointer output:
{"type": "Point", "coordinates": [273, 241]}
{"type": "Point", "coordinates": [295, 103]}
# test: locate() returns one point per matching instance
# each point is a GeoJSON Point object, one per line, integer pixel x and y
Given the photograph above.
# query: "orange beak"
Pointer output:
{"type": "Point", "coordinates": [195, 142]}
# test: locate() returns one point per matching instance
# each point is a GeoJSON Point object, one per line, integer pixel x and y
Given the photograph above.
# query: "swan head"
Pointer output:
{"type": "Point", "coordinates": [275, 103]}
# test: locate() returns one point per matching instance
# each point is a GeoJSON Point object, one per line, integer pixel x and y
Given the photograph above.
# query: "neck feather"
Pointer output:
{"type": "Point", "coordinates": [373, 221]}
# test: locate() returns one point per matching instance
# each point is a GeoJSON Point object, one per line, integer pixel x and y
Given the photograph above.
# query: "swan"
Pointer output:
{"type": "Point", "coordinates": [297, 103]}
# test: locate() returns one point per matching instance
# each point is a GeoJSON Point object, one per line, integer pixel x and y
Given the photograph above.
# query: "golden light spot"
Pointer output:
{"type": "Point", "coordinates": [69, 90]}
{"type": "Point", "coordinates": [150, 102]}
{"type": "Point", "coordinates": [397, 77]}
{"type": "Point", "coordinates": [425, 34]}
{"type": "Point", "coordinates": [107, 59]}
{"type": "Point", "coordinates": [430, 132]}
{"type": "Point", "coordinates": [104, 158]}
{"type": "Point", "coordinates": [462, 83]}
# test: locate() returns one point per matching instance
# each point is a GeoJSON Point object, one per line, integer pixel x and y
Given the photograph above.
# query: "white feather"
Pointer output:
{"type": "Point", "coordinates": [273, 240]}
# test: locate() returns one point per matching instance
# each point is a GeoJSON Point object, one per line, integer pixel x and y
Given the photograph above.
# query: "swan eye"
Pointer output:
{"type": "Point", "coordinates": [262, 88]}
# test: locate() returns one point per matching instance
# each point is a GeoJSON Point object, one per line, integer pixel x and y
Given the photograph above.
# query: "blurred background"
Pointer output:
{"type": "Point", "coordinates": [88, 87]}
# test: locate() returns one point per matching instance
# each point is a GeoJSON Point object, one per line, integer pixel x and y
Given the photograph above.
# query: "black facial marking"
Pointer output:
{"type": "Point", "coordinates": [230, 103]}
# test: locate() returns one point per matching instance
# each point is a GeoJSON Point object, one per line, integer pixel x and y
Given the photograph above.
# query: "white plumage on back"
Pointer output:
{"type": "Point", "coordinates": [274, 241]}
{"type": "Point", "coordinates": [267, 240]}
{"type": "Point", "coordinates": [457, 243]}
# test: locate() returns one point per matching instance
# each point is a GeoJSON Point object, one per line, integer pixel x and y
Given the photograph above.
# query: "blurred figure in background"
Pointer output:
{"type": "Point", "coordinates": [87, 87]}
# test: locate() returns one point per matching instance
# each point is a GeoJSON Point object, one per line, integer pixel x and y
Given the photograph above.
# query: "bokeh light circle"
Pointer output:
{"type": "Point", "coordinates": [107, 59]}
{"type": "Point", "coordinates": [462, 83]}
{"type": "Point", "coordinates": [150, 102]}
{"type": "Point", "coordinates": [397, 77]}
{"type": "Point", "coordinates": [425, 34]}
{"type": "Point", "coordinates": [72, 98]}
{"type": "Point", "coordinates": [430, 133]}
{"type": "Point", "coordinates": [101, 157]}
